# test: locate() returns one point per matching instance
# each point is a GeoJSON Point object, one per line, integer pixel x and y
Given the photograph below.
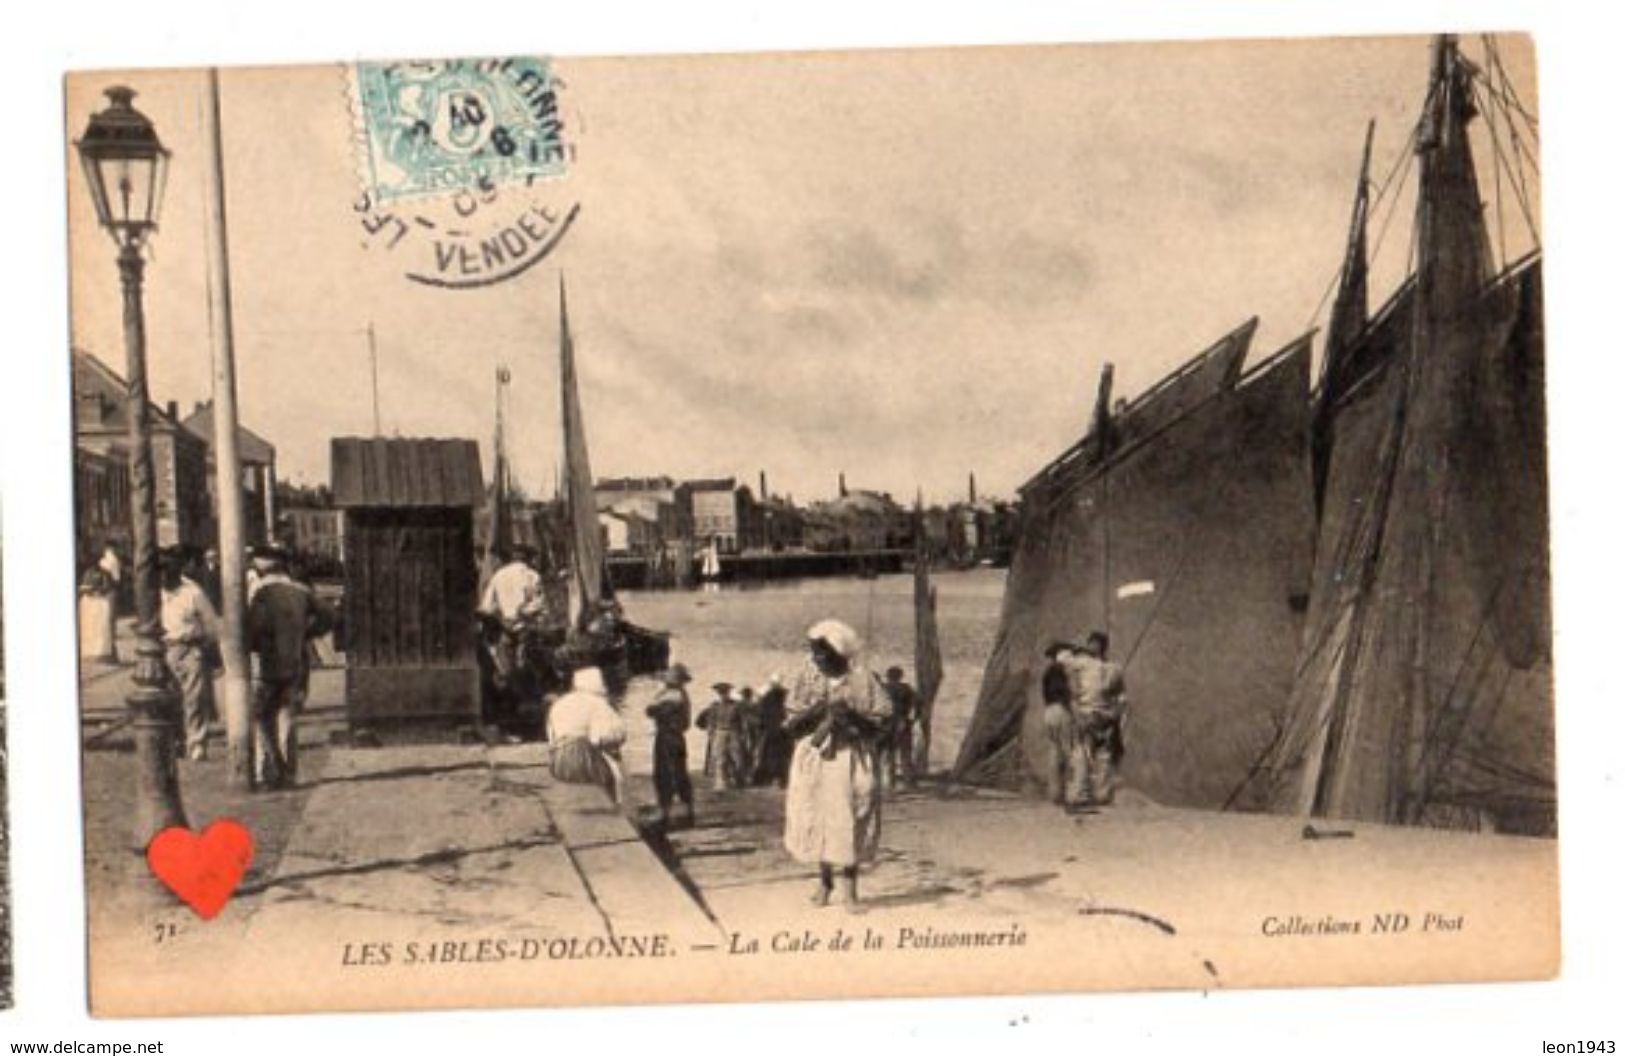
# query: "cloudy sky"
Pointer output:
{"type": "Point", "coordinates": [904, 265]}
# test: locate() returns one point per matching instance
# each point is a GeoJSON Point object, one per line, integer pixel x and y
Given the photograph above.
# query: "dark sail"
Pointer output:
{"type": "Point", "coordinates": [1188, 545]}
{"type": "Point", "coordinates": [588, 582]}
{"type": "Point", "coordinates": [499, 521]}
{"type": "Point", "coordinates": [1348, 319]}
{"type": "Point", "coordinates": [1423, 693]}
{"type": "Point", "coordinates": [927, 644]}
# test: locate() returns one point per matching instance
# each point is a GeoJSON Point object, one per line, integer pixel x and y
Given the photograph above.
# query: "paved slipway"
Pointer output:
{"type": "Point", "coordinates": [439, 848]}
{"type": "Point", "coordinates": [378, 881]}
{"type": "Point", "coordinates": [427, 844]}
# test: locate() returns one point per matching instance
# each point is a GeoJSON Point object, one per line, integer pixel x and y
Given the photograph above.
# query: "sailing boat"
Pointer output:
{"type": "Point", "coordinates": [711, 563]}
{"type": "Point", "coordinates": [1424, 688]}
{"type": "Point", "coordinates": [598, 633]}
{"type": "Point", "coordinates": [1181, 526]}
{"type": "Point", "coordinates": [1421, 693]}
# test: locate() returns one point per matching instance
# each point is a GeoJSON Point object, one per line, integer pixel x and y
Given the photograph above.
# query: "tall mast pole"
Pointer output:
{"type": "Point", "coordinates": [1445, 126]}
{"type": "Point", "coordinates": [1101, 427]}
{"type": "Point", "coordinates": [372, 352]}
{"type": "Point", "coordinates": [227, 460]}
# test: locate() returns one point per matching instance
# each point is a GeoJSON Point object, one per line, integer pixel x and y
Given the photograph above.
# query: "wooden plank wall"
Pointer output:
{"type": "Point", "coordinates": [410, 587]}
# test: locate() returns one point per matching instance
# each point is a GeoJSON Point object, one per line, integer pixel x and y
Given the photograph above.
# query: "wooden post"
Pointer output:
{"type": "Point", "coordinates": [228, 472]}
{"type": "Point", "coordinates": [372, 355]}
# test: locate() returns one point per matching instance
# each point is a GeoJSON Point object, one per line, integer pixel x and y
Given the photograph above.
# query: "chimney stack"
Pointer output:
{"type": "Point", "coordinates": [973, 489]}
{"type": "Point", "coordinates": [762, 479]}
{"type": "Point", "coordinates": [843, 484]}
{"type": "Point", "coordinates": [173, 410]}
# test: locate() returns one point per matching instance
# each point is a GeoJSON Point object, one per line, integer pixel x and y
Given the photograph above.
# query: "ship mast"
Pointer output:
{"type": "Point", "coordinates": [1350, 312]}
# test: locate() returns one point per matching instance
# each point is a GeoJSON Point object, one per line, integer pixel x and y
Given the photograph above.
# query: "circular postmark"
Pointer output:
{"type": "Point", "coordinates": [462, 166]}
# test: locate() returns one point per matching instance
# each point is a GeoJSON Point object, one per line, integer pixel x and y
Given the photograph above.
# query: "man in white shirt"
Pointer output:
{"type": "Point", "coordinates": [514, 602]}
{"type": "Point", "coordinates": [191, 627]}
{"type": "Point", "coordinates": [515, 590]}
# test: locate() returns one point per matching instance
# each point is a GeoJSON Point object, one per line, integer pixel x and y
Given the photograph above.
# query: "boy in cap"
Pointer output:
{"type": "Point", "coordinates": [671, 714]}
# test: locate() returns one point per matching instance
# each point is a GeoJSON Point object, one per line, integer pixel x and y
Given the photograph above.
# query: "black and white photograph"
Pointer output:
{"type": "Point", "coordinates": [827, 524]}
{"type": "Point", "coordinates": [5, 829]}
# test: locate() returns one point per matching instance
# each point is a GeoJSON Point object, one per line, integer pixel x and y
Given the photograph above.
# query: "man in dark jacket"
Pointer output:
{"type": "Point", "coordinates": [772, 762]}
{"type": "Point", "coordinates": [283, 616]}
{"type": "Point", "coordinates": [670, 712]}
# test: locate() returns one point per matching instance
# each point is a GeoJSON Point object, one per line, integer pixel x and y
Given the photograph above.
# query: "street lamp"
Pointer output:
{"type": "Point", "coordinates": [125, 166]}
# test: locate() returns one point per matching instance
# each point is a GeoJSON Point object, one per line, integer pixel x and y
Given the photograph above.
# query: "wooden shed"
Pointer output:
{"type": "Point", "coordinates": [409, 579]}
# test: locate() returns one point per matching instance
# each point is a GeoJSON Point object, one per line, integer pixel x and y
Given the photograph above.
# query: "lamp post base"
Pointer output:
{"type": "Point", "coordinates": [157, 785]}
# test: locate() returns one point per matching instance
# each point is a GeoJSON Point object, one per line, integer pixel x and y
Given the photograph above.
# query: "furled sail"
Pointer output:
{"type": "Point", "coordinates": [499, 521]}
{"type": "Point", "coordinates": [586, 545]}
{"type": "Point", "coordinates": [927, 643]}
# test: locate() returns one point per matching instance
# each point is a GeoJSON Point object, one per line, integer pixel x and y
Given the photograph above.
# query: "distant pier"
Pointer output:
{"type": "Point", "coordinates": [640, 573]}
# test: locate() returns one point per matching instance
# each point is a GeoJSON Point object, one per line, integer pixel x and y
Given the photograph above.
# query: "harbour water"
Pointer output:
{"type": "Point", "coordinates": [742, 634]}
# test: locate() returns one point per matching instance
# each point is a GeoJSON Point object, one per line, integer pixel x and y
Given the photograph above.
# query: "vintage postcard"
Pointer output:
{"type": "Point", "coordinates": [565, 531]}
{"type": "Point", "coordinates": [5, 823]}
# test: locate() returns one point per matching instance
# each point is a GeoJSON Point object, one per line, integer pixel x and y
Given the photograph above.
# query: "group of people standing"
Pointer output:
{"type": "Point", "coordinates": [746, 743]}
{"type": "Point", "coordinates": [283, 618]}
{"type": "Point", "coordinates": [829, 735]}
{"type": "Point", "coordinates": [528, 648]}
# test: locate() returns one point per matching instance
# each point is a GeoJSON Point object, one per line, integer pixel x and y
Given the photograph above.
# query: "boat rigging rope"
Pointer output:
{"type": "Point", "coordinates": [1514, 174]}
{"type": "Point", "coordinates": [1505, 92]}
{"type": "Point", "coordinates": [1401, 169]}
{"type": "Point", "coordinates": [1500, 212]}
{"type": "Point", "coordinates": [1495, 95]}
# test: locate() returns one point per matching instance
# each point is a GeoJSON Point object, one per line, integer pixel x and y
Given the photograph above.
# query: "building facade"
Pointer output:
{"type": "Point", "coordinates": [179, 459]}
{"type": "Point", "coordinates": [655, 499]}
{"type": "Point", "coordinates": [858, 521]}
{"type": "Point", "coordinates": [101, 504]}
{"type": "Point", "coordinates": [723, 510]}
{"type": "Point", "coordinates": [314, 532]}
{"type": "Point", "coordinates": [258, 460]}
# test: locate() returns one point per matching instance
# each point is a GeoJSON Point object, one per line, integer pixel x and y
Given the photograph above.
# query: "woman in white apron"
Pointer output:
{"type": "Point", "coordinates": [837, 712]}
{"type": "Point", "coordinates": [97, 592]}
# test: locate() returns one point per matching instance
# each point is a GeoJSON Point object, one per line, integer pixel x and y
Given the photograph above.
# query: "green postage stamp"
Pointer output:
{"type": "Point", "coordinates": [445, 126]}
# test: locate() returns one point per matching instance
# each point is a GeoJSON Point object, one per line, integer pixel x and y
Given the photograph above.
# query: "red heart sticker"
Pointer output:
{"type": "Point", "coordinates": [203, 870]}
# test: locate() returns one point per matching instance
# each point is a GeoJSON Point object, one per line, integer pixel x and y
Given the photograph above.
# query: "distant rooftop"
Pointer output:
{"type": "Point", "coordinates": [251, 447]}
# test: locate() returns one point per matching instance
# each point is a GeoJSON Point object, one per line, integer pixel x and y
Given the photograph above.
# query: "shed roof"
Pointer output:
{"type": "Point", "coordinates": [406, 472]}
